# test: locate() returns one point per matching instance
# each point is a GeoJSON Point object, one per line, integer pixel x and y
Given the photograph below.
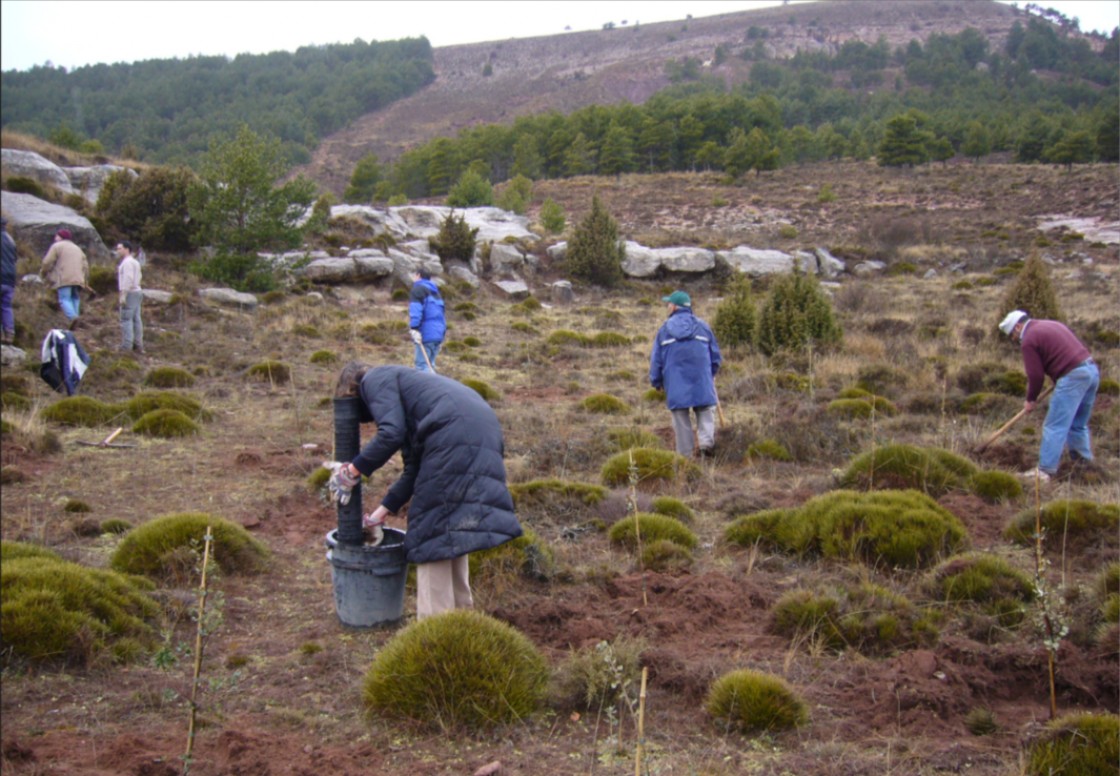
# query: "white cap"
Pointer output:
{"type": "Point", "coordinates": [1008, 323]}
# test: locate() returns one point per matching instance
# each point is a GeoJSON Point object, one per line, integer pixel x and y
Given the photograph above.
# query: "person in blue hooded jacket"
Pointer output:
{"type": "Point", "coordinates": [426, 321]}
{"type": "Point", "coordinates": [684, 362]}
{"type": "Point", "coordinates": [453, 480]}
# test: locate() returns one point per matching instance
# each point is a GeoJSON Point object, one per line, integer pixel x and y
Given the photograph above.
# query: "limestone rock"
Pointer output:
{"type": "Point", "coordinates": [515, 289]}
{"type": "Point", "coordinates": [692, 260]}
{"type": "Point", "coordinates": [28, 164]}
{"type": "Point", "coordinates": [10, 355]}
{"type": "Point", "coordinates": [228, 297]}
{"type": "Point", "coordinates": [757, 262]}
{"type": "Point", "coordinates": [153, 296]}
{"type": "Point", "coordinates": [640, 261]}
{"type": "Point", "coordinates": [463, 275]}
{"type": "Point", "coordinates": [35, 222]}
{"type": "Point", "coordinates": [561, 292]}
{"type": "Point", "coordinates": [505, 258]}
{"type": "Point", "coordinates": [88, 181]}
{"type": "Point", "coordinates": [870, 267]}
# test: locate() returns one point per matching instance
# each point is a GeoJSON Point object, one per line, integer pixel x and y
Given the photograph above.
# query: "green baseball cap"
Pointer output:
{"type": "Point", "coordinates": [679, 298]}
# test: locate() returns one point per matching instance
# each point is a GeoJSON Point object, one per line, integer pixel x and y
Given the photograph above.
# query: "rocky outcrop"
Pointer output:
{"type": "Point", "coordinates": [227, 297]}
{"type": "Point", "coordinates": [28, 164]}
{"type": "Point", "coordinates": [88, 181]}
{"type": "Point", "coordinates": [35, 221]}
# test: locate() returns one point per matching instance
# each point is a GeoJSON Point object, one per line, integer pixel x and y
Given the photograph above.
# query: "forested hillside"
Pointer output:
{"type": "Point", "coordinates": [165, 111]}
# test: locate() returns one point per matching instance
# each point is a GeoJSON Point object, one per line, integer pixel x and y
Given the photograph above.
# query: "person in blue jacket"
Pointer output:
{"type": "Point", "coordinates": [684, 362]}
{"type": "Point", "coordinates": [426, 321]}
{"type": "Point", "coordinates": [454, 477]}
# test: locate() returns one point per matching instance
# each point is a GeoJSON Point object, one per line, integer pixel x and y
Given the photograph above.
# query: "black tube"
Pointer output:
{"type": "Point", "coordinates": [347, 444]}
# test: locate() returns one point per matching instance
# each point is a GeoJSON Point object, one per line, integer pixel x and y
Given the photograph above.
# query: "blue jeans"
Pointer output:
{"type": "Point", "coordinates": [431, 348]}
{"type": "Point", "coordinates": [1067, 420]}
{"type": "Point", "coordinates": [70, 301]}
{"type": "Point", "coordinates": [7, 318]}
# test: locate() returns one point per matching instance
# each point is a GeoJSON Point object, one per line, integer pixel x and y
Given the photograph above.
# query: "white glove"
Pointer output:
{"type": "Point", "coordinates": [416, 336]}
{"type": "Point", "coordinates": [341, 482]}
{"type": "Point", "coordinates": [375, 525]}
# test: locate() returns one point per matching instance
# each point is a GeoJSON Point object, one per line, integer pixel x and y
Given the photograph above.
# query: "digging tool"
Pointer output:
{"type": "Point", "coordinates": [1003, 429]}
{"type": "Point", "coordinates": [427, 360]}
{"type": "Point", "coordinates": [108, 441]}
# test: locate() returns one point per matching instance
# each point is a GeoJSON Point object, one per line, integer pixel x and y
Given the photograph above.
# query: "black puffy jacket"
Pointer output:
{"type": "Point", "coordinates": [452, 447]}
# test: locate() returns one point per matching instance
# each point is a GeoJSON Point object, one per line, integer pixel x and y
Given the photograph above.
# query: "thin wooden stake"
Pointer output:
{"type": "Point", "coordinates": [207, 539]}
{"type": "Point", "coordinates": [641, 724]}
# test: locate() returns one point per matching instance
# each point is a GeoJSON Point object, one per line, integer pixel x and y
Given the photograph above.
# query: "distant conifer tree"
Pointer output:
{"type": "Point", "coordinates": [797, 314]}
{"type": "Point", "coordinates": [1032, 292]}
{"type": "Point", "coordinates": [736, 321]}
{"type": "Point", "coordinates": [595, 253]}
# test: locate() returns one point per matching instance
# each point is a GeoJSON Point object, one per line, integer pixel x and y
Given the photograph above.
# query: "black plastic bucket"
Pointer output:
{"type": "Point", "coordinates": [368, 581]}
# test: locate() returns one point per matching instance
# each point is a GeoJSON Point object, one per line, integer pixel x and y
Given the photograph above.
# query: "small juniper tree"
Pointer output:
{"type": "Point", "coordinates": [472, 189]}
{"type": "Point", "coordinates": [552, 216]}
{"type": "Point", "coordinates": [515, 195]}
{"type": "Point", "coordinates": [595, 253]}
{"type": "Point", "coordinates": [736, 320]}
{"type": "Point", "coordinates": [796, 315]}
{"type": "Point", "coordinates": [455, 240]}
{"type": "Point", "coordinates": [1032, 292]}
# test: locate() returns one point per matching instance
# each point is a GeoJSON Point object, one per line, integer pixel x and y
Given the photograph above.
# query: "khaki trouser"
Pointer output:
{"type": "Point", "coordinates": [443, 585]}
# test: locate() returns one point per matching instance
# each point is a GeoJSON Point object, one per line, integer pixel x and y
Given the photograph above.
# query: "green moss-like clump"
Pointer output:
{"type": "Point", "coordinates": [557, 499]}
{"type": "Point", "coordinates": [751, 701]}
{"type": "Point", "coordinates": [169, 377]}
{"type": "Point", "coordinates": [159, 547]}
{"type": "Point", "coordinates": [1073, 524]}
{"type": "Point", "coordinates": [651, 465]}
{"type": "Point", "coordinates": [865, 617]}
{"type": "Point", "coordinates": [146, 401]}
{"type": "Point", "coordinates": [12, 550]}
{"type": "Point", "coordinates": [653, 528]}
{"type": "Point", "coordinates": [995, 486]}
{"type": "Point", "coordinates": [665, 556]}
{"type": "Point", "coordinates": [115, 525]}
{"type": "Point", "coordinates": [626, 438]}
{"type": "Point", "coordinates": [562, 337]}
{"type": "Point", "coordinates": [483, 389]}
{"type": "Point", "coordinates": [605, 404]}
{"type": "Point", "coordinates": [767, 448]}
{"type": "Point", "coordinates": [54, 611]}
{"type": "Point", "coordinates": [888, 529]}
{"type": "Point", "coordinates": [672, 507]}
{"type": "Point", "coordinates": [526, 556]}
{"type": "Point", "coordinates": [317, 480]}
{"type": "Point", "coordinates": [80, 411]}
{"type": "Point", "coordinates": [455, 672]}
{"type": "Point", "coordinates": [165, 424]}
{"type": "Point", "coordinates": [1077, 744]}
{"type": "Point", "coordinates": [609, 339]}
{"type": "Point", "coordinates": [275, 372]}
{"type": "Point", "coordinates": [987, 581]}
{"type": "Point", "coordinates": [324, 357]}
{"type": "Point", "coordinates": [931, 470]}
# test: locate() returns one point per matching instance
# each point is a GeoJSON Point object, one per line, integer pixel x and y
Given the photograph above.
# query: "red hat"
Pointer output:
{"type": "Point", "coordinates": [64, 234]}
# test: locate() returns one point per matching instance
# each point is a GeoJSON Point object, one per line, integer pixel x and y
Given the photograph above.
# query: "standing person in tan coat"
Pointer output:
{"type": "Point", "coordinates": [66, 268]}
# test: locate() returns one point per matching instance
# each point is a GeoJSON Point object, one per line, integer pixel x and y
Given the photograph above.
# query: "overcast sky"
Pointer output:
{"type": "Point", "coordinates": [72, 33]}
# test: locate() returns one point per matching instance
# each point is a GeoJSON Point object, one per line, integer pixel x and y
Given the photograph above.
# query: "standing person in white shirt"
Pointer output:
{"type": "Point", "coordinates": [128, 281]}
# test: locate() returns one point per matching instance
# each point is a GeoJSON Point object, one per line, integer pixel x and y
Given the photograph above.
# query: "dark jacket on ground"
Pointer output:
{"type": "Point", "coordinates": [684, 361]}
{"type": "Point", "coordinates": [1051, 349]}
{"type": "Point", "coordinates": [454, 478]}
{"type": "Point", "coordinates": [425, 311]}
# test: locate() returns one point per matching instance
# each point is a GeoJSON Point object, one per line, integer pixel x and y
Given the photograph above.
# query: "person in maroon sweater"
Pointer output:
{"type": "Point", "coordinates": [1051, 350]}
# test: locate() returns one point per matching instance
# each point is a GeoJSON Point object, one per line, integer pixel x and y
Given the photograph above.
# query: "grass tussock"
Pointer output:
{"type": "Point", "coordinates": [169, 377]}
{"type": "Point", "coordinates": [751, 702]}
{"type": "Point", "coordinates": [170, 547]}
{"type": "Point", "coordinates": [596, 677]}
{"type": "Point", "coordinates": [903, 466]}
{"type": "Point", "coordinates": [652, 528]}
{"type": "Point", "coordinates": [459, 671]}
{"type": "Point", "coordinates": [165, 424]}
{"type": "Point", "coordinates": [1076, 744]}
{"type": "Point", "coordinates": [651, 466]}
{"type": "Point", "coordinates": [605, 404]}
{"type": "Point", "coordinates": [55, 611]}
{"type": "Point", "coordinates": [270, 371]}
{"type": "Point", "coordinates": [527, 556]}
{"type": "Point", "coordinates": [1074, 524]}
{"type": "Point", "coordinates": [83, 411]}
{"type": "Point", "coordinates": [985, 583]}
{"type": "Point", "coordinates": [882, 529]}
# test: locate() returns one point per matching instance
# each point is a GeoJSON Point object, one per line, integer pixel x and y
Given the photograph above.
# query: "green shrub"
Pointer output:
{"type": "Point", "coordinates": [986, 580]}
{"type": "Point", "coordinates": [526, 556]}
{"type": "Point", "coordinates": [165, 424]}
{"type": "Point", "coordinates": [169, 377]}
{"type": "Point", "coordinates": [12, 550]}
{"type": "Point", "coordinates": [904, 529]}
{"type": "Point", "coordinates": [652, 528]}
{"type": "Point", "coordinates": [854, 409]}
{"type": "Point", "coordinates": [751, 701]}
{"type": "Point", "coordinates": [596, 677]}
{"type": "Point", "coordinates": [608, 339]}
{"type": "Point", "coordinates": [555, 497]}
{"type": "Point", "coordinates": [455, 240]}
{"type": "Point", "coordinates": [650, 464]}
{"type": "Point", "coordinates": [605, 404]}
{"type": "Point", "coordinates": [1031, 291]}
{"type": "Point", "coordinates": [483, 389]}
{"type": "Point", "coordinates": [865, 617]}
{"type": "Point", "coordinates": [324, 357]}
{"type": "Point", "coordinates": [995, 486]}
{"type": "Point", "coordinates": [595, 252]}
{"type": "Point", "coordinates": [797, 315]}
{"type": "Point", "coordinates": [54, 611]}
{"type": "Point", "coordinates": [80, 411]}
{"type": "Point", "coordinates": [663, 555]}
{"type": "Point", "coordinates": [768, 448]}
{"type": "Point", "coordinates": [21, 184]}
{"type": "Point", "coordinates": [552, 216]}
{"type": "Point", "coordinates": [317, 480]}
{"type": "Point", "coordinates": [76, 506]}
{"type": "Point", "coordinates": [980, 721]}
{"type": "Point", "coordinates": [147, 401]}
{"type": "Point", "coordinates": [897, 466]}
{"type": "Point", "coordinates": [1078, 744]}
{"type": "Point", "coordinates": [562, 337]}
{"type": "Point", "coordinates": [654, 395]}
{"type": "Point", "coordinates": [736, 321]}
{"type": "Point", "coordinates": [275, 372]}
{"type": "Point", "coordinates": [1071, 524]}
{"type": "Point", "coordinates": [457, 671]}
{"type": "Point", "coordinates": [103, 280]}
{"type": "Point", "coordinates": [672, 507]}
{"type": "Point", "coordinates": [626, 438]}
{"type": "Point", "coordinates": [160, 547]}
